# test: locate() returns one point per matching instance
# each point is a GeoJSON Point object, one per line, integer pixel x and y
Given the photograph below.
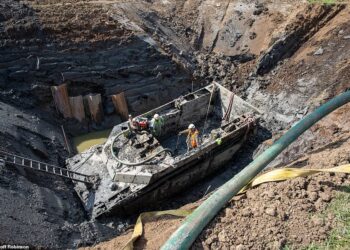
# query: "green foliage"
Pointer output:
{"type": "Point", "coordinates": [340, 236]}
{"type": "Point", "coordinates": [327, 1]}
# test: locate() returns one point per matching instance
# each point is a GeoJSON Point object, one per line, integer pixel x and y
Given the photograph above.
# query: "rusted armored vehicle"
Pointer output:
{"type": "Point", "coordinates": [136, 169]}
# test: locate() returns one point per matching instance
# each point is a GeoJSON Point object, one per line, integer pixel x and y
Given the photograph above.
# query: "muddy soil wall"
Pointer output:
{"type": "Point", "coordinates": [147, 77]}
{"type": "Point", "coordinates": [86, 48]}
{"type": "Point", "coordinates": [46, 43]}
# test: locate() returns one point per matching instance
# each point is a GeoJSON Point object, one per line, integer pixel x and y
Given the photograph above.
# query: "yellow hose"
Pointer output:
{"type": "Point", "coordinates": [280, 174]}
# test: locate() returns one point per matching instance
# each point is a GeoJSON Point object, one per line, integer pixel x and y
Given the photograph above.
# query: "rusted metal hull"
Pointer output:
{"type": "Point", "coordinates": [210, 163]}
{"type": "Point", "coordinates": [129, 184]}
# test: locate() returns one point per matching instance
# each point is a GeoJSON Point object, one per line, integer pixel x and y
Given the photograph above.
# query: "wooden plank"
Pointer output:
{"type": "Point", "coordinates": [121, 107]}
{"type": "Point", "coordinates": [95, 107]}
{"type": "Point", "coordinates": [77, 107]}
{"type": "Point", "coordinates": [60, 96]}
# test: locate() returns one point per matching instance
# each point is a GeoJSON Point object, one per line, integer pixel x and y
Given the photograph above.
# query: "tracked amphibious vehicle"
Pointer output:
{"type": "Point", "coordinates": [136, 169]}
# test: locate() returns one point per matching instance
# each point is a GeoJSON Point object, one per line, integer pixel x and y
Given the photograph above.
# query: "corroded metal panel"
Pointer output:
{"type": "Point", "coordinates": [77, 107]}
{"type": "Point", "coordinates": [120, 105]}
{"type": "Point", "coordinates": [61, 99]}
{"type": "Point", "coordinates": [94, 102]}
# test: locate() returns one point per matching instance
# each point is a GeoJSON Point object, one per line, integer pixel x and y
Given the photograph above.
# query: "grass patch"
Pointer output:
{"type": "Point", "coordinates": [339, 237]}
{"type": "Point", "coordinates": [328, 1]}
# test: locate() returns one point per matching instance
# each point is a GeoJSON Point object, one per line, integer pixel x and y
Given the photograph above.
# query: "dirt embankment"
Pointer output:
{"type": "Point", "coordinates": [288, 213]}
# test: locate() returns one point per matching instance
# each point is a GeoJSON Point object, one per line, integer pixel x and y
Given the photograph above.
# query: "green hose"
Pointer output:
{"type": "Point", "coordinates": [187, 233]}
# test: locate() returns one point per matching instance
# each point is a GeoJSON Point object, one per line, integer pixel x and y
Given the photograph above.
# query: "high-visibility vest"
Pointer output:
{"type": "Point", "coordinates": [193, 136]}
{"type": "Point", "coordinates": [157, 125]}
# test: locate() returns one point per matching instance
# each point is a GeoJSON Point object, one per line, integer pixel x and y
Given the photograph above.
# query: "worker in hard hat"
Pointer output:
{"type": "Point", "coordinates": [156, 125]}
{"type": "Point", "coordinates": [192, 139]}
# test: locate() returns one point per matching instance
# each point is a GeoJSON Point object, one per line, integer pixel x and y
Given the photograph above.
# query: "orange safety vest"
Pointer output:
{"type": "Point", "coordinates": [193, 136]}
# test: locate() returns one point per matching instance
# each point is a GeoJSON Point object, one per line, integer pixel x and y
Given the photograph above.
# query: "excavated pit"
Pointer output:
{"type": "Point", "coordinates": [38, 54]}
{"type": "Point", "coordinates": [153, 51]}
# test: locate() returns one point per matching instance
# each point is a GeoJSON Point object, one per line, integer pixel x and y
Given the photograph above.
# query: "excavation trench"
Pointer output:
{"type": "Point", "coordinates": [51, 200]}
{"type": "Point", "coordinates": [32, 126]}
{"type": "Point", "coordinates": [48, 125]}
{"type": "Point", "coordinates": [146, 57]}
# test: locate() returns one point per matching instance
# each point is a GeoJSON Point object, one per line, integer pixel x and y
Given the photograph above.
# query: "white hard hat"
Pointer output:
{"type": "Point", "coordinates": [156, 116]}
{"type": "Point", "coordinates": [191, 126]}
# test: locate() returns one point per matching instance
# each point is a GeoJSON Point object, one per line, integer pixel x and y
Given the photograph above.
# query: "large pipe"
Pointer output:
{"type": "Point", "coordinates": [187, 233]}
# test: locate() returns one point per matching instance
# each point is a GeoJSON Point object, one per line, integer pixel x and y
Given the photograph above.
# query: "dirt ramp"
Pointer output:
{"type": "Point", "coordinates": [292, 213]}
{"type": "Point", "coordinates": [156, 232]}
